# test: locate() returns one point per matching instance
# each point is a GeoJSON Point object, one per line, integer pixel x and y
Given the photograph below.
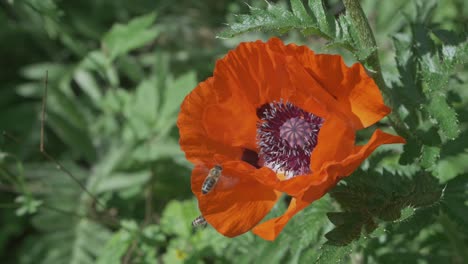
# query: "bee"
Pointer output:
{"type": "Point", "coordinates": [211, 179]}
{"type": "Point", "coordinates": [200, 221]}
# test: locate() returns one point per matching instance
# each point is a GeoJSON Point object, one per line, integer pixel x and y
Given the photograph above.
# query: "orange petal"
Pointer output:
{"type": "Point", "coordinates": [197, 130]}
{"type": "Point", "coordinates": [232, 124]}
{"type": "Point", "coordinates": [237, 202]}
{"type": "Point", "coordinates": [255, 74]}
{"type": "Point", "coordinates": [335, 142]}
{"type": "Point", "coordinates": [354, 90]}
{"type": "Point", "coordinates": [351, 163]}
{"type": "Point", "coordinates": [270, 229]}
{"type": "Point", "coordinates": [331, 173]}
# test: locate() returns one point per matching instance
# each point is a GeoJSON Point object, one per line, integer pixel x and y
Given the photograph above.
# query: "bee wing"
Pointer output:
{"type": "Point", "coordinates": [226, 182]}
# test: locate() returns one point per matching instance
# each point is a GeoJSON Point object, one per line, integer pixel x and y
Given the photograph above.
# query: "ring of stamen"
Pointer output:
{"type": "Point", "coordinates": [286, 136]}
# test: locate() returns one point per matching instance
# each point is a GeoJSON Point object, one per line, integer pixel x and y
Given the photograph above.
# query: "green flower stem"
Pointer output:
{"type": "Point", "coordinates": [367, 40]}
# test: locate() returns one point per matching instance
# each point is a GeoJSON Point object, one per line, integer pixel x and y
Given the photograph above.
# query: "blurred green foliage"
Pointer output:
{"type": "Point", "coordinates": [117, 73]}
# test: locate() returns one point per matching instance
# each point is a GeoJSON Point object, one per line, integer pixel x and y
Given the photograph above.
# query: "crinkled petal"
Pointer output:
{"type": "Point", "coordinates": [201, 135]}
{"type": "Point", "coordinates": [218, 122]}
{"type": "Point", "coordinates": [335, 142]}
{"type": "Point", "coordinates": [344, 168]}
{"type": "Point", "coordinates": [270, 229]}
{"type": "Point", "coordinates": [354, 90]}
{"type": "Point", "coordinates": [237, 202]}
{"type": "Point", "coordinates": [332, 172]}
{"type": "Point", "coordinates": [254, 74]}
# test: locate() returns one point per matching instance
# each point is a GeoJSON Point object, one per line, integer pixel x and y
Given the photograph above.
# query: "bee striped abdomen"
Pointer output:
{"type": "Point", "coordinates": [211, 179]}
{"type": "Point", "coordinates": [208, 185]}
{"type": "Point", "coordinates": [200, 221]}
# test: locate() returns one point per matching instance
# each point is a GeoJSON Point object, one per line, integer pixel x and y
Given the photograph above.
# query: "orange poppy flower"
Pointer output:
{"type": "Point", "coordinates": [277, 118]}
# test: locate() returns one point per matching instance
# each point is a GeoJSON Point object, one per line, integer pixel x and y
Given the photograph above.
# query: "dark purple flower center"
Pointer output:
{"type": "Point", "coordinates": [286, 136]}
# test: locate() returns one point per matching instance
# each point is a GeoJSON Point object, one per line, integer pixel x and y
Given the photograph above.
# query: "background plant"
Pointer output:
{"type": "Point", "coordinates": [117, 73]}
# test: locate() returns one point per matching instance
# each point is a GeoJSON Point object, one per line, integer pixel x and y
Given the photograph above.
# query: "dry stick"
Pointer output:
{"type": "Point", "coordinates": [149, 201]}
{"type": "Point", "coordinates": [52, 159]}
{"type": "Point", "coordinates": [110, 219]}
{"type": "Point", "coordinates": [12, 189]}
{"type": "Point", "coordinates": [44, 102]}
{"type": "Point", "coordinates": [106, 219]}
{"type": "Point", "coordinates": [127, 258]}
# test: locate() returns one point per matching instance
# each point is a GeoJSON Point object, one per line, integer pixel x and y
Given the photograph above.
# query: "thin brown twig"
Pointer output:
{"type": "Point", "coordinates": [43, 111]}
{"type": "Point", "coordinates": [8, 188]}
{"type": "Point", "coordinates": [65, 212]}
{"type": "Point", "coordinates": [127, 258]}
{"type": "Point", "coordinates": [52, 159]}
{"type": "Point", "coordinates": [11, 137]}
{"type": "Point", "coordinates": [149, 201]}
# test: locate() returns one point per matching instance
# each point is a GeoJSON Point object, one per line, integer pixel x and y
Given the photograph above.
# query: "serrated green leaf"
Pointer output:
{"type": "Point", "coordinates": [455, 200]}
{"type": "Point", "coordinates": [333, 254]}
{"type": "Point", "coordinates": [89, 85]}
{"type": "Point", "coordinates": [299, 11]}
{"type": "Point", "coordinates": [452, 166]}
{"type": "Point", "coordinates": [444, 115]}
{"type": "Point", "coordinates": [429, 156]}
{"type": "Point", "coordinates": [123, 38]}
{"type": "Point", "coordinates": [370, 196]}
{"type": "Point", "coordinates": [349, 226]}
{"type": "Point", "coordinates": [407, 213]}
{"type": "Point", "coordinates": [419, 219]}
{"type": "Point", "coordinates": [276, 19]}
{"type": "Point", "coordinates": [325, 21]}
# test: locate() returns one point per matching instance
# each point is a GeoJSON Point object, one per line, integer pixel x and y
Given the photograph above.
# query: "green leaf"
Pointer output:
{"type": "Point", "coordinates": [99, 62]}
{"type": "Point", "coordinates": [46, 8]}
{"type": "Point", "coordinates": [349, 226]}
{"type": "Point", "coordinates": [444, 115]}
{"type": "Point", "coordinates": [452, 166]}
{"type": "Point", "coordinates": [76, 137]}
{"type": "Point", "coordinates": [275, 18]}
{"type": "Point", "coordinates": [119, 181]}
{"type": "Point", "coordinates": [299, 11]}
{"type": "Point", "coordinates": [38, 71]}
{"type": "Point", "coordinates": [123, 38]}
{"type": "Point", "coordinates": [325, 21]}
{"type": "Point", "coordinates": [429, 156]}
{"type": "Point", "coordinates": [115, 249]}
{"type": "Point", "coordinates": [27, 205]}
{"type": "Point", "coordinates": [368, 197]}
{"type": "Point", "coordinates": [175, 92]}
{"type": "Point", "coordinates": [158, 150]}
{"type": "Point", "coordinates": [455, 200]}
{"type": "Point", "coordinates": [333, 254]}
{"type": "Point", "coordinates": [177, 218]}
{"type": "Point", "coordinates": [88, 84]}
{"type": "Point", "coordinates": [146, 101]}
{"type": "Point", "coordinates": [436, 74]}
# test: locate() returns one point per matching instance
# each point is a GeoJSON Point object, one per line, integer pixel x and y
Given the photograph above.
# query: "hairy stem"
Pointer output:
{"type": "Point", "coordinates": [367, 41]}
